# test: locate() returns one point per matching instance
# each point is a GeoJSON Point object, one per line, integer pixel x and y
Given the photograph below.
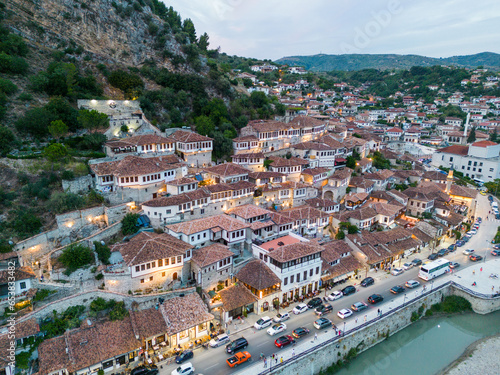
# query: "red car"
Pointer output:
{"type": "Point", "coordinates": [475, 257]}
{"type": "Point", "coordinates": [283, 341]}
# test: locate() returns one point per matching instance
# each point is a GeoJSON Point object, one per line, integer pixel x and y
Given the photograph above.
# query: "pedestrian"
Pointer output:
{"type": "Point", "coordinates": [481, 269]}
{"type": "Point", "coordinates": [473, 272]}
{"type": "Point", "coordinates": [265, 362]}
{"type": "Point", "coordinates": [276, 360]}
{"type": "Point", "coordinates": [492, 288]}
{"type": "Point", "coordinates": [261, 355]}
{"type": "Point", "coordinates": [293, 352]}
{"type": "Point", "coordinates": [356, 320]}
{"type": "Point", "coordinates": [281, 359]}
{"type": "Point", "coordinates": [315, 336]}
{"type": "Point", "coordinates": [378, 311]}
{"type": "Point", "coordinates": [365, 318]}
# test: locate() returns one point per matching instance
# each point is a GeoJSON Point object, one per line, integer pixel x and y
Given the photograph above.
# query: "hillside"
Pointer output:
{"type": "Point", "coordinates": [388, 61]}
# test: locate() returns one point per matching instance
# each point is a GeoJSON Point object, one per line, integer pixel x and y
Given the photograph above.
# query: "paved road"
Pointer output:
{"type": "Point", "coordinates": [213, 361]}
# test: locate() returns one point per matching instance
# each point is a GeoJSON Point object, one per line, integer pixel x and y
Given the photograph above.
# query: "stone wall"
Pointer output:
{"type": "Point", "coordinates": [80, 184]}
{"type": "Point", "coordinates": [479, 305]}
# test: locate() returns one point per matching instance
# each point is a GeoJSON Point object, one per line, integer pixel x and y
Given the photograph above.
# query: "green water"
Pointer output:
{"type": "Point", "coordinates": [426, 347]}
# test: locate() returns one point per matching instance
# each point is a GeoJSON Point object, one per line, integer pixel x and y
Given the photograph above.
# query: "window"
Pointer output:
{"type": "Point", "coordinates": [160, 262]}
{"type": "Point", "coordinates": [298, 277]}
{"type": "Point", "coordinates": [285, 281]}
{"type": "Point", "coordinates": [317, 270]}
{"type": "Point", "coordinates": [22, 285]}
{"type": "Point", "coordinates": [143, 267]}
{"type": "Point", "coordinates": [137, 268]}
{"type": "Point", "coordinates": [148, 266]}
{"type": "Point", "coordinates": [173, 260]}
{"type": "Point", "coordinates": [305, 275]}
{"type": "Point", "coordinates": [163, 274]}
{"type": "Point", "coordinates": [292, 278]}
{"type": "Point", "coordinates": [311, 271]}
{"type": "Point", "coordinates": [142, 281]}
{"type": "Point", "coordinates": [179, 259]}
{"type": "Point", "coordinates": [151, 278]}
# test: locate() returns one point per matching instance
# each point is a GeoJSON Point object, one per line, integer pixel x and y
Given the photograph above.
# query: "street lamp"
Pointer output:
{"type": "Point", "coordinates": [404, 300]}
{"type": "Point", "coordinates": [343, 332]}
{"type": "Point", "coordinates": [432, 284]}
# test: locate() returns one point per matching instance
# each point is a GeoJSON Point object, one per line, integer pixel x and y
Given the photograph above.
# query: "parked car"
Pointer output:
{"type": "Point", "coordinates": [482, 192]}
{"type": "Point", "coordinates": [239, 343]}
{"type": "Point", "coordinates": [442, 252]}
{"type": "Point", "coordinates": [416, 262]}
{"type": "Point", "coordinates": [348, 290]}
{"type": "Point", "coordinates": [324, 309]}
{"type": "Point", "coordinates": [475, 257]}
{"type": "Point", "coordinates": [299, 332]}
{"type": "Point", "coordinates": [432, 256]}
{"type": "Point", "coordinates": [335, 295]}
{"type": "Point", "coordinates": [143, 370]}
{"type": "Point", "coordinates": [454, 265]}
{"type": "Point", "coordinates": [281, 317]}
{"type": "Point", "coordinates": [468, 252]}
{"type": "Point", "coordinates": [466, 239]}
{"type": "Point", "coordinates": [322, 323]}
{"type": "Point", "coordinates": [412, 284]}
{"type": "Point", "coordinates": [300, 308]}
{"type": "Point", "coordinates": [407, 266]}
{"type": "Point", "coordinates": [397, 271]}
{"type": "Point", "coordinates": [219, 340]}
{"type": "Point", "coordinates": [283, 341]}
{"type": "Point", "coordinates": [497, 216]}
{"type": "Point", "coordinates": [367, 282]}
{"type": "Point", "coordinates": [315, 302]}
{"type": "Point", "coordinates": [359, 306]}
{"type": "Point", "coordinates": [460, 243]}
{"type": "Point", "coordinates": [263, 322]}
{"type": "Point", "coordinates": [495, 252]}
{"type": "Point", "coordinates": [344, 313]}
{"type": "Point", "coordinates": [452, 247]}
{"type": "Point", "coordinates": [490, 198]}
{"type": "Point", "coordinates": [184, 356]}
{"type": "Point", "coordinates": [375, 298]}
{"type": "Point", "coordinates": [496, 247]}
{"type": "Point", "coordinates": [277, 328]}
{"type": "Point", "coordinates": [397, 289]}
{"type": "Point", "coordinates": [185, 369]}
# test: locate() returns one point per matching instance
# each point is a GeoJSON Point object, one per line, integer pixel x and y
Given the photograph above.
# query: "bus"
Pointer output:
{"type": "Point", "coordinates": [478, 181]}
{"type": "Point", "coordinates": [434, 269]}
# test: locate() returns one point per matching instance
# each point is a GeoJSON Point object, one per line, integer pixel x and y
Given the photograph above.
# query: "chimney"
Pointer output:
{"type": "Point", "coordinates": [449, 181]}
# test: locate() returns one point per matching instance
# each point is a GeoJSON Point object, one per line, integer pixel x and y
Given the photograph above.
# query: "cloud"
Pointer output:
{"type": "Point", "coordinates": [272, 29]}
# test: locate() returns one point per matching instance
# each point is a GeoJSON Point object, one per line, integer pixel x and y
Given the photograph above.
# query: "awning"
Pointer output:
{"type": "Point", "coordinates": [211, 293]}
{"type": "Point", "coordinates": [198, 177]}
{"type": "Point", "coordinates": [342, 160]}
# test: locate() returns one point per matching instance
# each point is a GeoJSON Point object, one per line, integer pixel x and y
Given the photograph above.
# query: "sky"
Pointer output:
{"type": "Point", "coordinates": [270, 29]}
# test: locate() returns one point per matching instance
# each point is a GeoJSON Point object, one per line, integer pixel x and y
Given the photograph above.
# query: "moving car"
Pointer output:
{"type": "Point", "coordinates": [344, 313]}
{"type": "Point", "coordinates": [475, 257]}
{"type": "Point", "coordinates": [416, 262]}
{"type": "Point", "coordinates": [490, 198]}
{"type": "Point", "coordinates": [143, 370]}
{"type": "Point", "coordinates": [397, 271]}
{"type": "Point", "coordinates": [239, 343]}
{"type": "Point", "coordinates": [322, 323]}
{"type": "Point", "coordinates": [299, 332]}
{"type": "Point", "coordinates": [324, 309]}
{"type": "Point", "coordinates": [397, 289]}
{"type": "Point", "coordinates": [495, 252]}
{"type": "Point", "coordinates": [283, 341]}
{"type": "Point", "coordinates": [482, 192]}
{"type": "Point", "coordinates": [412, 284]}
{"type": "Point", "coordinates": [315, 302]}
{"type": "Point", "coordinates": [185, 369]}
{"type": "Point", "coordinates": [348, 290]}
{"type": "Point", "coordinates": [281, 317]}
{"type": "Point", "coordinates": [359, 306]}
{"type": "Point", "coordinates": [335, 295]}
{"type": "Point", "coordinates": [454, 265]}
{"type": "Point", "coordinates": [468, 252]}
{"type": "Point", "coordinates": [368, 281]}
{"type": "Point", "coordinates": [375, 298]}
{"type": "Point", "coordinates": [300, 308]}
{"type": "Point", "coordinates": [433, 256]}
{"type": "Point", "coordinates": [263, 322]}
{"type": "Point", "coordinates": [277, 328]}
{"type": "Point", "coordinates": [238, 359]}
{"type": "Point", "coordinates": [407, 266]}
{"type": "Point", "coordinates": [219, 340]}
{"type": "Point", "coordinates": [184, 356]}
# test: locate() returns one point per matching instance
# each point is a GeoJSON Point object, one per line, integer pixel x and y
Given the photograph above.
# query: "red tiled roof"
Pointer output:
{"type": "Point", "coordinates": [455, 149]}
{"type": "Point", "coordinates": [484, 144]}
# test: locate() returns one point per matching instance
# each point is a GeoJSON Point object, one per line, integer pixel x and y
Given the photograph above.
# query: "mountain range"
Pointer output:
{"type": "Point", "coordinates": [323, 62]}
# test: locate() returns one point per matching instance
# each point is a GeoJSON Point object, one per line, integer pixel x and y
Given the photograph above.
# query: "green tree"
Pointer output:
{"type": "Point", "coordinates": [340, 235]}
{"type": "Point", "coordinates": [103, 252]}
{"type": "Point", "coordinates": [25, 222]}
{"type": "Point", "coordinates": [55, 152]}
{"type": "Point", "coordinates": [472, 135]}
{"type": "Point", "coordinates": [189, 29]}
{"type": "Point", "coordinates": [76, 256]}
{"type": "Point", "coordinates": [58, 129]}
{"type": "Point", "coordinates": [203, 42]}
{"type": "Point", "coordinates": [351, 162]}
{"type": "Point", "coordinates": [92, 120]}
{"type": "Point", "coordinates": [63, 202]}
{"type": "Point", "coordinates": [35, 122]}
{"type": "Point", "coordinates": [494, 135]}
{"type": "Point", "coordinates": [64, 111]}
{"type": "Point", "coordinates": [204, 125]}
{"type": "Point", "coordinates": [129, 224]}
{"type": "Point", "coordinates": [7, 140]}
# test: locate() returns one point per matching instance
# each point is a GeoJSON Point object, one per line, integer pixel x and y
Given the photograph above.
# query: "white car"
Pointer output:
{"type": "Point", "coordinates": [277, 328]}
{"type": "Point", "coordinates": [281, 317]}
{"type": "Point", "coordinates": [468, 252]}
{"type": "Point", "coordinates": [219, 340]}
{"type": "Point", "coordinates": [344, 313]}
{"type": "Point", "coordinates": [263, 322]}
{"type": "Point", "coordinates": [412, 284]}
{"type": "Point", "coordinates": [185, 369]}
{"type": "Point", "coordinates": [300, 308]}
{"type": "Point", "coordinates": [397, 271]}
{"type": "Point", "coordinates": [407, 266]}
{"type": "Point", "coordinates": [335, 295]}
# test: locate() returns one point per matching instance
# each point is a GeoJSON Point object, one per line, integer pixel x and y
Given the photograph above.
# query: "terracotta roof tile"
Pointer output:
{"type": "Point", "coordinates": [248, 211]}
{"type": "Point", "coordinates": [134, 165]}
{"type": "Point", "coordinates": [257, 275]}
{"type": "Point", "coordinates": [187, 136]}
{"type": "Point", "coordinates": [21, 273]}
{"type": "Point", "coordinates": [211, 254]}
{"type": "Point", "coordinates": [236, 296]}
{"type": "Point", "coordinates": [140, 140]}
{"type": "Point", "coordinates": [227, 169]}
{"type": "Point", "coordinates": [220, 221]}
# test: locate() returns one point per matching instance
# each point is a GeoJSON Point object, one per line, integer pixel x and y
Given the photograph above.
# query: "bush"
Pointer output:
{"type": "Point", "coordinates": [125, 81]}
{"type": "Point", "coordinates": [99, 276]}
{"type": "Point", "coordinates": [100, 304]}
{"type": "Point", "coordinates": [129, 224]}
{"type": "Point", "coordinates": [76, 256]}
{"type": "Point", "coordinates": [118, 312]}
{"type": "Point", "coordinates": [103, 252]}
{"type": "Point", "coordinates": [454, 304]}
{"type": "Point", "coordinates": [7, 86]}
{"type": "Point", "coordinates": [64, 202]}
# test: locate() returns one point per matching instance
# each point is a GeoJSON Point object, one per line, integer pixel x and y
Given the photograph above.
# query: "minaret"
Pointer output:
{"type": "Point", "coordinates": [466, 125]}
{"type": "Point", "coordinates": [449, 181]}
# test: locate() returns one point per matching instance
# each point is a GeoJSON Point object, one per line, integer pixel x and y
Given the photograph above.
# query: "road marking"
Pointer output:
{"type": "Point", "coordinates": [264, 343]}
{"type": "Point", "coordinates": [212, 366]}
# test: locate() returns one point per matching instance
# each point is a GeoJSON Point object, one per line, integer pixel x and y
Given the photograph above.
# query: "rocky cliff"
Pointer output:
{"type": "Point", "coordinates": [111, 31]}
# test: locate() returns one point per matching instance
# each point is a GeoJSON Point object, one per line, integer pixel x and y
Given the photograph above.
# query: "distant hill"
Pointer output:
{"type": "Point", "coordinates": [324, 62]}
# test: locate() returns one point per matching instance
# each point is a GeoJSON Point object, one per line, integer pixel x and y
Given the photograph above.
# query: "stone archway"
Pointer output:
{"type": "Point", "coordinates": [328, 194]}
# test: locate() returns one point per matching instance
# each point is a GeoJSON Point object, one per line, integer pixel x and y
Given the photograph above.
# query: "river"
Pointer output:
{"type": "Point", "coordinates": [425, 347]}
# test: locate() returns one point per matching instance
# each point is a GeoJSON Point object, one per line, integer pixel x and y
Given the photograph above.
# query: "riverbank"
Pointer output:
{"type": "Point", "coordinates": [480, 358]}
